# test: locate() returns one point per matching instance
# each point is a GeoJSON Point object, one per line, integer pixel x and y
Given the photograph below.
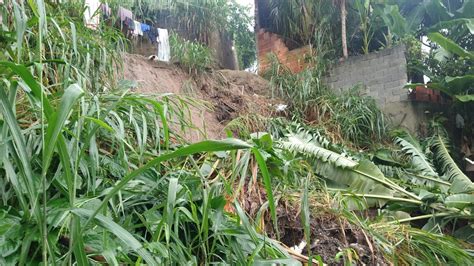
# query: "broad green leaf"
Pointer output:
{"type": "Point", "coordinates": [299, 144]}
{"type": "Point", "coordinates": [450, 45]}
{"type": "Point", "coordinates": [460, 84]}
{"type": "Point", "coordinates": [465, 233]}
{"type": "Point", "coordinates": [267, 181]}
{"type": "Point", "coordinates": [33, 85]}
{"type": "Point", "coordinates": [459, 201]}
{"type": "Point", "coordinates": [6, 110]}
{"type": "Point", "coordinates": [10, 234]}
{"type": "Point", "coordinates": [465, 98]}
{"type": "Point", "coordinates": [419, 160]}
{"type": "Point", "coordinates": [20, 27]}
{"type": "Point", "coordinates": [460, 182]}
{"type": "Point", "coordinates": [100, 123]}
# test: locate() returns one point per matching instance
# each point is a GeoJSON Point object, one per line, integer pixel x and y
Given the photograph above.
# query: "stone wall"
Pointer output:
{"type": "Point", "coordinates": [268, 43]}
{"type": "Point", "coordinates": [382, 75]}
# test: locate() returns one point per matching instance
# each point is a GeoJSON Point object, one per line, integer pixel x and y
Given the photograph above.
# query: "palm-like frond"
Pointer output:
{"type": "Point", "coordinates": [412, 177]}
{"type": "Point", "coordinates": [460, 182]}
{"type": "Point", "coordinates": [357, 176]}
{"type": "Point", "coordinates": [420, 162]}
{"type": "Point", "coordinates": [305, 144]}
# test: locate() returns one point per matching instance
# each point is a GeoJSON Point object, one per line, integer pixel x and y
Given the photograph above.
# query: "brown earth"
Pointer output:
{"type": "Point", "coordinates": [331, 233]}
{"type": "Point", "coordinates": [227, 93]}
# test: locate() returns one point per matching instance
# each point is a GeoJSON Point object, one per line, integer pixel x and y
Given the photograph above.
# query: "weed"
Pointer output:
{"type": "Point", "coordinates": [193, 56]}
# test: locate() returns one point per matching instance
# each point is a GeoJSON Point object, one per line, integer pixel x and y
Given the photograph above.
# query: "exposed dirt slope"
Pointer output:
{"type": "Point", "coordinates": [229, 93]}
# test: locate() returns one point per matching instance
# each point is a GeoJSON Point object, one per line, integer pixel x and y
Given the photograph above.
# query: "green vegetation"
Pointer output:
{"type": "Point", "coordinates": [347, 115]}
{"type": "Point", "coordinates": [193, 56]}
{"type": "Point", "coordinates": [241, 27]}
{"type": "Point", "coordinates": [451, 66]}
{"type": "Point", "coordinates": [92, 173]}
{"type": "Point", "coordinates": [203, 22]}
{"type": "Point", "coordinates": [371, 25]}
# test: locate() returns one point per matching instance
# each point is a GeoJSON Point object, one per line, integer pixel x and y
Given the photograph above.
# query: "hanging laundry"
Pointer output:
{"type": "Point", "coordinates": [130, 24]}
{"type": "Point", "coordinates": [163, 45]}
{"type": "Point", "coordinates": [126, 18]}
{"type": "Point", "coordinates": [137, 29]}
{"type": "Point", "coordinates": [124, 13]}
{"type": "Point", "coordinates": [152, 35]}
{"type": "Point", "coordinates": [145, 27]}
{"type": "Point", "coordinates": [106, 10]}
{"type": "Point", "coordinates": [91, 17]}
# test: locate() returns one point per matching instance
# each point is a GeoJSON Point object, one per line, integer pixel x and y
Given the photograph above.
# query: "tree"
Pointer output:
{"type": "Point", "coordinates": [342, 5]}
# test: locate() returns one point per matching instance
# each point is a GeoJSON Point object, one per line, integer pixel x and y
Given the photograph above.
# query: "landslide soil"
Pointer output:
{"type": "Point", "coordinates": [222, 95]}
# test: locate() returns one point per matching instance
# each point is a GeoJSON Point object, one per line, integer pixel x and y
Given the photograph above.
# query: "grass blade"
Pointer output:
{"type": "Point", "coordinates": [118, 231]}
{"type": "Point", "coordinates": [268, 187]}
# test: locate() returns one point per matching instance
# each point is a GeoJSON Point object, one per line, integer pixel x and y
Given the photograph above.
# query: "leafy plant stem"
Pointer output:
{"type": "Point", "coordinates": [389, 198]}
{"type": "Point", "coordinates": [421, 217]}
{"type": "Point", "coordinates": [390, 185]}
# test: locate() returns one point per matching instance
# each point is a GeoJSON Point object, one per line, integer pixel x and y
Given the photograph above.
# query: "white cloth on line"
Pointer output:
{"type": "Point", "coordinates": [137, 31]}
{"type": "Point", "coordinates": [163, 45]}
{"type": "Point", "coordinates": [91, 16]}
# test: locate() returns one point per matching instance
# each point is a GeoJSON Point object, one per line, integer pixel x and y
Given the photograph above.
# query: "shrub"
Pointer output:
{"type": "Point", "coordinates": [193, 56]}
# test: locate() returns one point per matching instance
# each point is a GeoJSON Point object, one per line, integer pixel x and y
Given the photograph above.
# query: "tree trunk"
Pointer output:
{"type": "Point", "coordinates": [343, 28]}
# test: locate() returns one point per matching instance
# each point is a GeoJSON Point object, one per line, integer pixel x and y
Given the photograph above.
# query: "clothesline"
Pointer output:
{"type": "Point", "coordinates": [136, 28]}
{"type": "Point", "coordinates": [92, 17]}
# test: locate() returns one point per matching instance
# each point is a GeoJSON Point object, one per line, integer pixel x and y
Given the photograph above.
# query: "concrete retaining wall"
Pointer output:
{"type": "Point", "coordinates": [383, 75]}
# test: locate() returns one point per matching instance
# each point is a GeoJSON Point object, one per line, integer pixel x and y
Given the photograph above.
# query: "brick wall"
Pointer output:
{"type": "Point", "coordinates": [381, 74]}
{"type": "Point", "coordinates": [272, 43]}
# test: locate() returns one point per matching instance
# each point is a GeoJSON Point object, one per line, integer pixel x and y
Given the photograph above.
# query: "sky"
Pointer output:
{"type": "Point", "coordinates": [246, 3]}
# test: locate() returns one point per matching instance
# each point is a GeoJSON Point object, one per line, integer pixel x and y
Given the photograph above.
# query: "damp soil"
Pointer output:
{"type": "Point", "coordinates": [228, 93]}
{"type": "Point", "coordinates": [330, 233]}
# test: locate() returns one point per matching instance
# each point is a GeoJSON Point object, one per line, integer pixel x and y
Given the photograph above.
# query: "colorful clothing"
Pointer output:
{"type": "Point", "coordinates": [124, 14]}
{"type": "Point", "coordinates": [106, 10]}
{"type": "Point", "coordinates": [145, 27]}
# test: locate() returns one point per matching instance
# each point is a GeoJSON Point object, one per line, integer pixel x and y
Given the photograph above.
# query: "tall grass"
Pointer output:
{"type": "Point", "coordinates": [92, 173]}
{"type": "Point", "coordinates": [193, 56]}
{"type": "Point", "coordinates": [356, 118]}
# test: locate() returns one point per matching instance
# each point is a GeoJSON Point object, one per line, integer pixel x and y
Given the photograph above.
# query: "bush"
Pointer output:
{"type": "Point", "coordinates": [193, 56]}
{"type": "Point", "coordinates": [353, 117]}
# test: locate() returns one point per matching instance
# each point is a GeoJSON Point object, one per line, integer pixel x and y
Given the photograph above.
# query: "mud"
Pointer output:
{"type": "Point", "coordinates": [330, 233]}
{"type": "Point", "coordinates": [229, 93]}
